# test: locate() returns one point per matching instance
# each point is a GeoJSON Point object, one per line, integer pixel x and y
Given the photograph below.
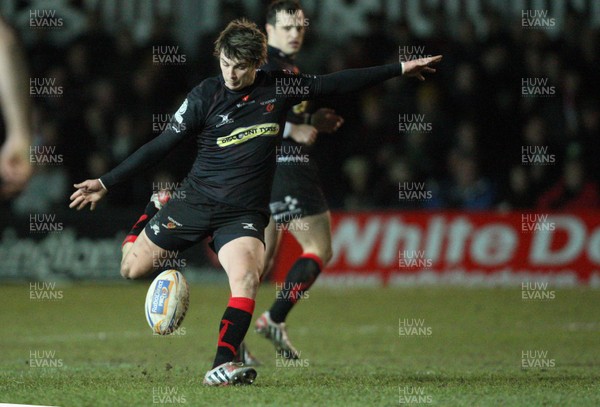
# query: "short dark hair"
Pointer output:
{"type": "Point", "coordinates": [243, 41]}
{"type": "Point", "coordinates": [291, 6]}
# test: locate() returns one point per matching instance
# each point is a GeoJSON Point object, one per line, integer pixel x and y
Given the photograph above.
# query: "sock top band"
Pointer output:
{"type": "Point", "coordinates": [314, 257]}
{"type": "Point", "coordinates": [242, 303]}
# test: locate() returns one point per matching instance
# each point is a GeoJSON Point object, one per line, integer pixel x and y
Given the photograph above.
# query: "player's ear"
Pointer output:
{"type": "Point", "coordinates": [269, 28]}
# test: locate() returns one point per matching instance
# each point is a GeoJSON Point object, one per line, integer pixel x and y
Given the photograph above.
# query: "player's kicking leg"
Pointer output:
{"type": "Point", "coordinates": [314, 235]}
{"type": "Point", "coordinates": [157, 201]}
{"type": "Point", "coordinates": [243, 260]}
{"type": "Point", "coordinates": [138, 261]}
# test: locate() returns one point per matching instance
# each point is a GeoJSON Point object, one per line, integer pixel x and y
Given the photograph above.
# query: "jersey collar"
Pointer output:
{"type": "Point", "coordinates": [273, 52]}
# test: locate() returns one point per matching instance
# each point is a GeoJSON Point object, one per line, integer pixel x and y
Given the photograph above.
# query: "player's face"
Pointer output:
{"type": "Point", "coordinates": [237, 74]}
{"type": "Point", "coordinates": [288, 32]}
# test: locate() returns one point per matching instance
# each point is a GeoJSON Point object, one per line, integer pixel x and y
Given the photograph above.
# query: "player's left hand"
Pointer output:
{"type": "Point", "coordinates": [89, 191]}
{"type": "Point", "coordinates": [326, 121]}
{"type": "Point", "coordinates": [419, 66]}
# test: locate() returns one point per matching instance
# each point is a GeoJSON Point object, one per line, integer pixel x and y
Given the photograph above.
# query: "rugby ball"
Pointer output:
{"type": "Point", "coordinates": [167, 302]}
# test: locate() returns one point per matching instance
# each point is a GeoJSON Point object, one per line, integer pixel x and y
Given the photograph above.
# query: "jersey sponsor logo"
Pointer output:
{"type": "Point", "coordinates": [172, 224]}
{"type": "Point", "coordinates": [245, 101]}
{"type": "Point", "coordinates": [156, 229]}
{"type": "Point", "coordinates": [249, 226]}
{"type": "Point", "coordinates": [267, 102]}
{"type": "Point", "coordinates": [243, 134]}
{"type": "Point", "coordinates": [224, 119]}
{"type": "Point", "coordinates": [174, 221]}
{"type": "Point", "coordinates": [242, 104]}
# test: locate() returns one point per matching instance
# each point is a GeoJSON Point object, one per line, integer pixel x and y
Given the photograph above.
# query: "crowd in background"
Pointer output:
{"type": "Point", "coordinates": [469, 154]}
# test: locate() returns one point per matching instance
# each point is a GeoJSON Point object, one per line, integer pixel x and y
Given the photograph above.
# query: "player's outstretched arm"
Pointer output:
{"type": "Point", "coordinates": [93, 190]}
{"type": "Point", "coordinates": [88, 192]}
{"type": "Point", "coordinates": [351, 80]}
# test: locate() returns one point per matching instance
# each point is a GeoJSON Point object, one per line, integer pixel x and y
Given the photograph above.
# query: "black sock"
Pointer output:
{"type": "Point", "coordinates": [301, 276]}
{"type": "Point", "coordinates": [141, 223]}
{"type": "Point", "coordinates": [233, 328]}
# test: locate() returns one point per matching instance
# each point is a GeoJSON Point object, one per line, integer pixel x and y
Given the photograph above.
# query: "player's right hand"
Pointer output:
{"type": "Point", "coordinates": [326, 121]}
{"type": "Point", "coordinates": [304, 134]}
{"type": "Point", "coordinates": [418, 67]}
{"type": "Point", "coordinates": [89, 191]}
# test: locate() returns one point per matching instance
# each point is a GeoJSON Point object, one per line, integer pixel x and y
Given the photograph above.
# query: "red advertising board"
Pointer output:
{"type": "Point", "coordinates": [482, 248]}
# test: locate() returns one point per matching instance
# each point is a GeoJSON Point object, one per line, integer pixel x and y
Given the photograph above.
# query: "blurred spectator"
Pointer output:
{"type": "Point", "coordinates": [398, 176]}
{"type": "Point", "coordinates": [356, 171]}
{"type": "Point", "coordinates": [517, 194]}
{"type": "Point", "coordinates": [573, 192]}
{"type": "Point", "coordinates": [466, 189]}
{"type": "Point", "coordinates": [588, 136]}
{"type": "Point", "coordinates": [124, 140]}
{"type": "Point", "coordinates": [49, 184]}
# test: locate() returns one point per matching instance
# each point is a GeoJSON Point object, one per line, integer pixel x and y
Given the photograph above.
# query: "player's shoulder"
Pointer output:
{"type": "Point", "coordinates": [285, 73]}
{"type": "Point", "coordinates": [271, 65]}
{"type": "Point", "coordinates": [279, 73]}
{"type": "Point", "coordinates": [205, 89]}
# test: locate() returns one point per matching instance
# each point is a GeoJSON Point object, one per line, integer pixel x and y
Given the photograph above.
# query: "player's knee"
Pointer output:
{"type": "Point", "coordinates": [125, 270]}
{"type": "Point", "coordinates": [323, 252]}
{"type": "Point", "coordinates": [132, 271]}
{"type": "Point", "coordinates": [326, 255]}
{"type": "Point", "coordinates": [247, 280]}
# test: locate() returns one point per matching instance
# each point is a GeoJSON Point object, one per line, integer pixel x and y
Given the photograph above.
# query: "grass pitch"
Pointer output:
{"type": "Point", "coordinates": [359, 347]}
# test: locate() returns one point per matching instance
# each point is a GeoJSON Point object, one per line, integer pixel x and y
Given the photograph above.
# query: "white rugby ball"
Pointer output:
{"type": "Point", "coordinates": [167, 302]}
